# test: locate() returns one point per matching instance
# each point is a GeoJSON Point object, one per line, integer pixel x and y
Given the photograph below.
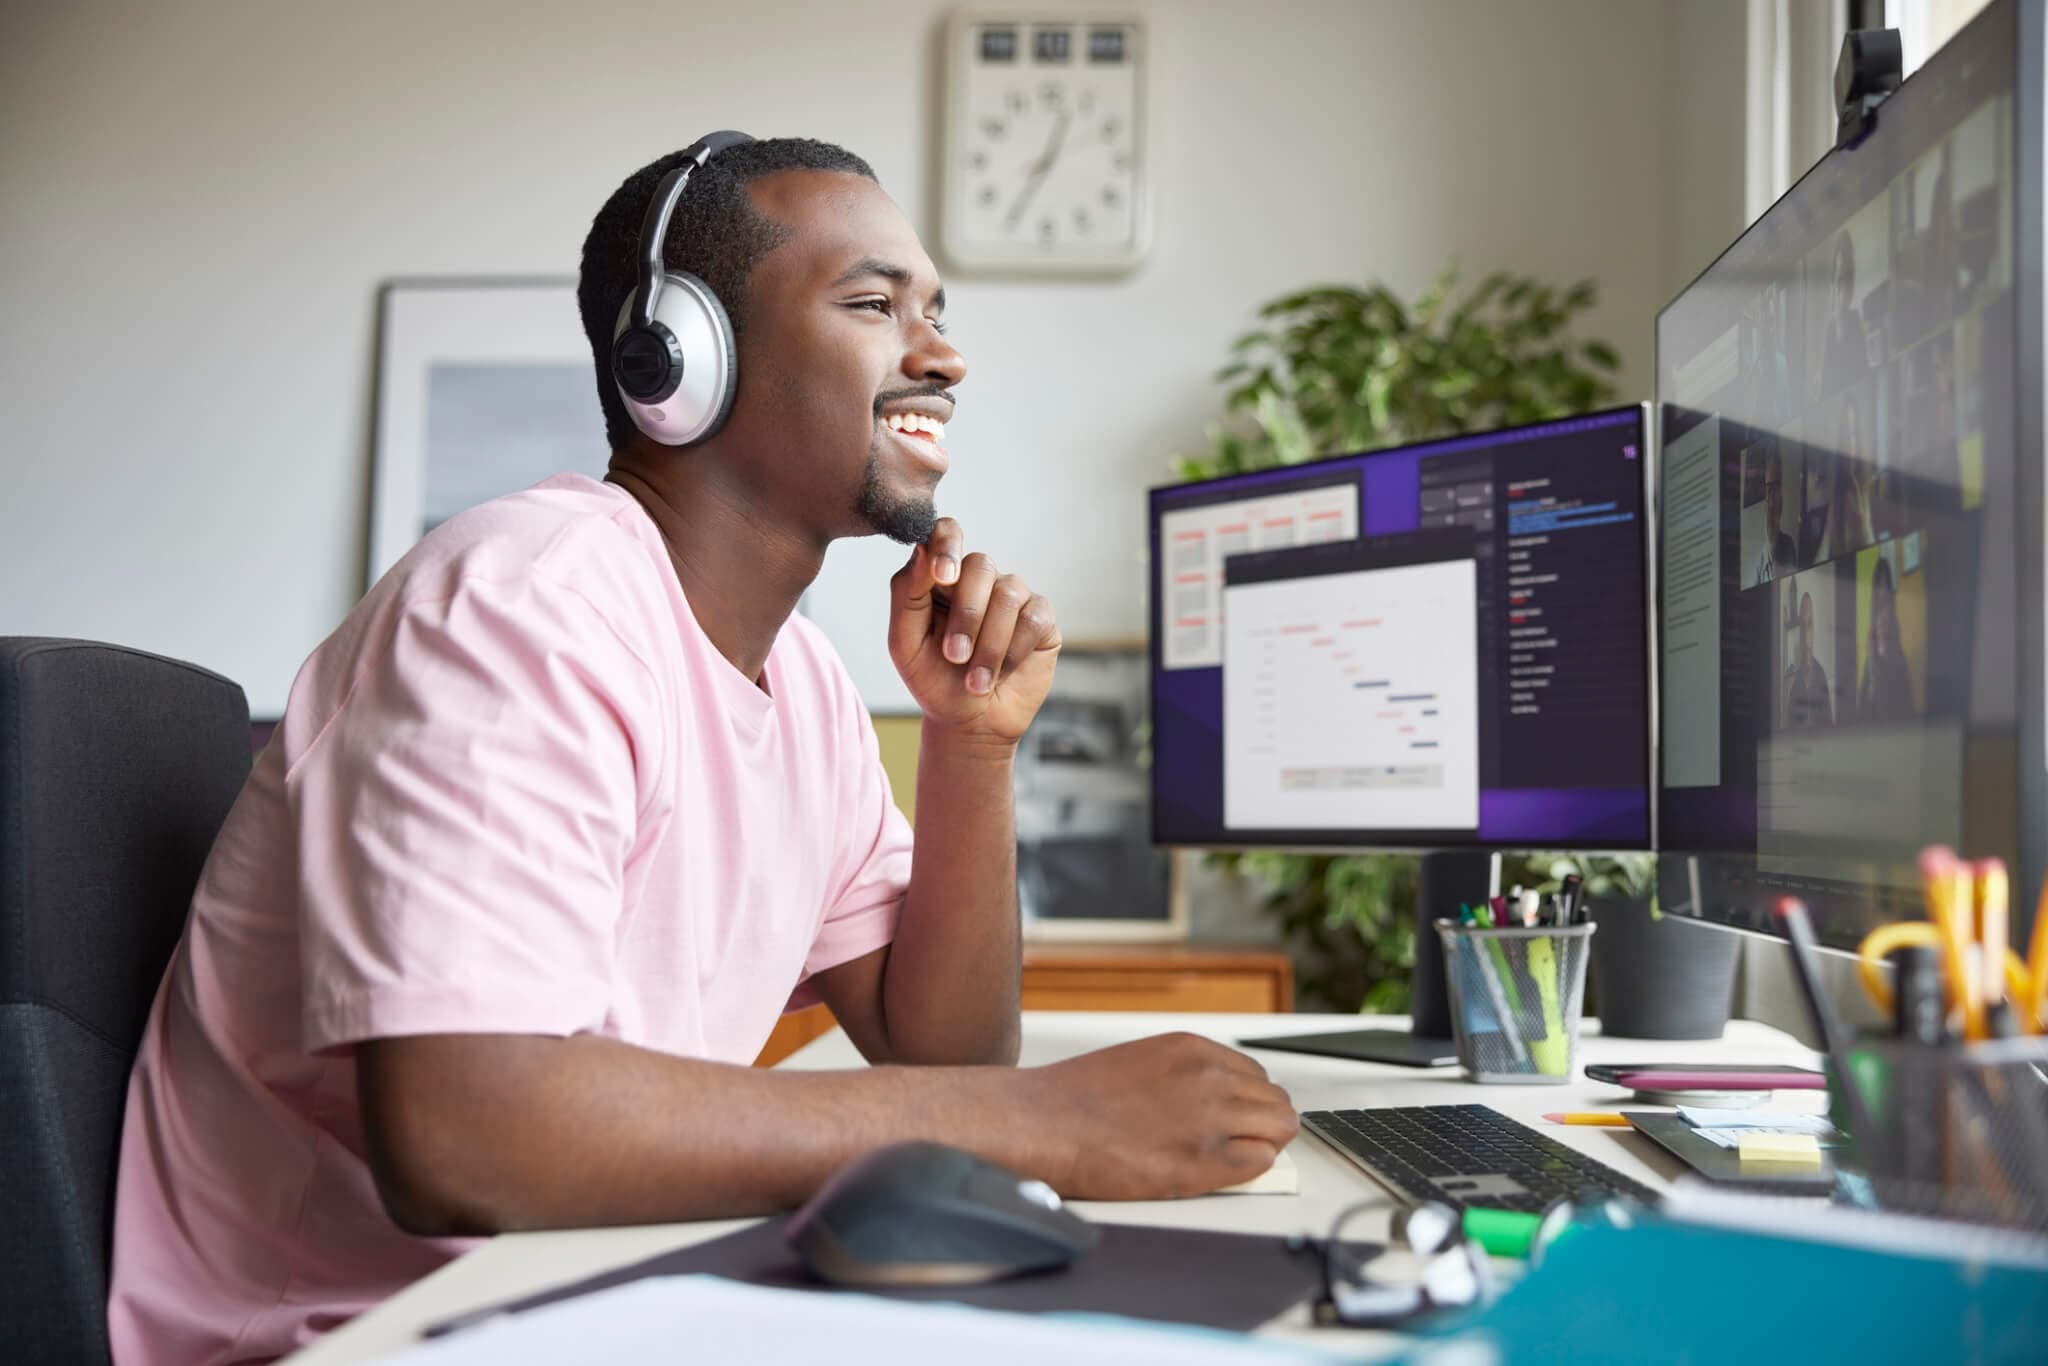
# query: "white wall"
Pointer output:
{"type": "Point", "coordinates": [1706, 134]}
{"type": "Point", "coordinates": [198, 200]}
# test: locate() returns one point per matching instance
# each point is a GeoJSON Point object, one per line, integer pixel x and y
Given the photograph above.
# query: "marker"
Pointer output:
{"type": "Point", "coordinates": [1604, 1119]}
{"type": "Point", "coordinates": [1834, 1040]}
{"type": "Point", "coordinates": [1515, 1233]}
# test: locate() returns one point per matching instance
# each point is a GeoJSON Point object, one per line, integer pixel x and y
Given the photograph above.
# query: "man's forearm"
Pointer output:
{"type": "Point", "coordinates": [486, 1134]}
{"type": "Point", "coordinates": [951, 990]}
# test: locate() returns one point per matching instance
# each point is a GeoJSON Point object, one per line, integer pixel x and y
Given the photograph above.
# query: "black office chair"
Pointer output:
{"type": "Point", "coordinates": [116, 770]}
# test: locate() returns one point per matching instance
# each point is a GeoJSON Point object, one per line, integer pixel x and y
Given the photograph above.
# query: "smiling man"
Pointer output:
{"type": "Point", "coordinates": [571, 807]}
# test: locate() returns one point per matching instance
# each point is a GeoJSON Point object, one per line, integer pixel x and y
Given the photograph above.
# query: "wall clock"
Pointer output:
{"type": "Point", "coordinates": [1045, 166]}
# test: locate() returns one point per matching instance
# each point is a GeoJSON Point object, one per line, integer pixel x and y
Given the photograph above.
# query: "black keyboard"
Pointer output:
{"type": "Point", "coordinates": [1468, 1155]}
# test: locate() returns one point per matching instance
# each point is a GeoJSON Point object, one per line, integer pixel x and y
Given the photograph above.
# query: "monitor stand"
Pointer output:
{"type": "Point", "coordinates": [1443, 883]}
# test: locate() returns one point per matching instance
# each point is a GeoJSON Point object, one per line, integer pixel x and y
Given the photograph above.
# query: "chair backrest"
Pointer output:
{"type": "Point", "coordinates": [116, 770]}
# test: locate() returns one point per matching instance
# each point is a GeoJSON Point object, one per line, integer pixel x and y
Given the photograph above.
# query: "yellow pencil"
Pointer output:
{"type": "Point", "coordinates": [1960, 938]}
{"type": "Point", "coordinates": [1603, 1118]}
{"type": "Point", "coordinates": [1946, 884]}
{"type": "Point", "coordinates": [2035, 1007]}
{"type": "Point", "coordinates": [1992, 919]}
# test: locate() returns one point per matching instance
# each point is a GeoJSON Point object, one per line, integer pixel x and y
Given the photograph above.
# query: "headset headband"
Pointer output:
{"type": "Point", "coordinates": [654, 228]}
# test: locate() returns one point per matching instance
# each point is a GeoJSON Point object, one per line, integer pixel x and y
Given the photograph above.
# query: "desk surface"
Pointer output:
{"type": "Point", "coordinates": [518, 1264]}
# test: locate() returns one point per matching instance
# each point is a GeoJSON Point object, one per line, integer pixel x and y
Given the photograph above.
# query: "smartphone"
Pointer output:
{"type": "Point", "coordinates": [1707, 1076]}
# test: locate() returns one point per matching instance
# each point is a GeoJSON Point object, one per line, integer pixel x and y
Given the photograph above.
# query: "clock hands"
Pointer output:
{"type": "Point", "coordinates": [1039, 168]}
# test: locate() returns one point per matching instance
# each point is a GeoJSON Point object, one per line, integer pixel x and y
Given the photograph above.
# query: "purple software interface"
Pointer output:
{"type": "Point", "coordinates": [1435, 646]}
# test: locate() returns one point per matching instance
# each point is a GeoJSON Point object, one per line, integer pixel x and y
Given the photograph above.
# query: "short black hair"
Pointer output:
{"type": "Point", "coordinates": [716, 234]}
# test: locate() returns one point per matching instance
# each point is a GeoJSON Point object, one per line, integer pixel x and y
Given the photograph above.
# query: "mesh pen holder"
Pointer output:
{"type": "Point", "coordinates": [1515, 1000]}
{"type": "Point", "coordinates": [1959, 1131]}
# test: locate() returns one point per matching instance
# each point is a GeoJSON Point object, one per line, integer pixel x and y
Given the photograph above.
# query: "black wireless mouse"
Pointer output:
{"type": "Point", "coordinates": [927, 1214]}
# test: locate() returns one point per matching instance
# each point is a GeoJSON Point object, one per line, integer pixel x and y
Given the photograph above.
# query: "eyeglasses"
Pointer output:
{"type": "Point", "coordinates": [1449, 1270]}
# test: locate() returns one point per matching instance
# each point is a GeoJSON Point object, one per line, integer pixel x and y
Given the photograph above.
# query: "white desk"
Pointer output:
{"type": "Point", "coordinates": [517, 1264]}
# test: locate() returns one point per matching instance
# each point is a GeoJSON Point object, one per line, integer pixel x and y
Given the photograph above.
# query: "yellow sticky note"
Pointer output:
{"type": "Point", "coordinates": [1801, 1148]}
{"type": "Point", "coordinates": [1282, 1178]}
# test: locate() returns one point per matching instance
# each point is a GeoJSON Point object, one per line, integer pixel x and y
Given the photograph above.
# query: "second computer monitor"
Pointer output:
{"type": "Point", "coordinates": [1435, 646]}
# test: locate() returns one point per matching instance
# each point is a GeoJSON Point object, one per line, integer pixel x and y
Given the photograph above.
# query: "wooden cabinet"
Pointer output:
{"type": "Point", "coordinates": [1179, 977]}
{"type": "Point", "coordinates": [1164, 977]}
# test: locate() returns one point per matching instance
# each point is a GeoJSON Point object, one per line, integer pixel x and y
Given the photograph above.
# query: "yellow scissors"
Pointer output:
{"type": "Point", "coordinates": [1967, 906]}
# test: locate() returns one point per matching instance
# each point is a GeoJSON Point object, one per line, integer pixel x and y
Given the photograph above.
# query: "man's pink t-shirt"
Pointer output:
{"type": "Point", "coordinates": [516, 791]}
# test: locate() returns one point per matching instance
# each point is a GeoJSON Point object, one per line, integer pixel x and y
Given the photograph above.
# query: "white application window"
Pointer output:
{"type": "Point", "coordinates": [1690, 580]}
{"type": "Point", "coordinates": [1351, 699]}
{"type": "Point", "coordinates": [1194, 542]}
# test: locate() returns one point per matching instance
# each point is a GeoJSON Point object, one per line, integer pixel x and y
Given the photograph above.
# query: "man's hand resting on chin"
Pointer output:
{"type": "Point", "coordinates": [975, 647]}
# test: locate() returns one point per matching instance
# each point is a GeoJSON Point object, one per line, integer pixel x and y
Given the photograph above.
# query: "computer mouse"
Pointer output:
{"type": "Point", "coordinates": [927, 1214]}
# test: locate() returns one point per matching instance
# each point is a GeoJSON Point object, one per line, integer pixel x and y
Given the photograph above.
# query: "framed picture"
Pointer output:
{"type": "Point", "coordinates": [1086, 865]}
{"type": "Point", "coordinates": [484, 387]}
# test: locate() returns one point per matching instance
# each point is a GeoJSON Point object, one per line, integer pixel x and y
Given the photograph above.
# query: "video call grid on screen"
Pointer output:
{"type": "Point", "coordinates": [1837, 491]}
{"type": "Point", "coordinates": [1444, 645]}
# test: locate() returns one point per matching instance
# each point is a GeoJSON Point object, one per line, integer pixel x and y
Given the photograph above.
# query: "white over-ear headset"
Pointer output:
{"type": "Point", "coordinates": [672, 351]}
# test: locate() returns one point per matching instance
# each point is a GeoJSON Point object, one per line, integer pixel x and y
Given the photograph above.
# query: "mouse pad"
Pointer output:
{"type": "Point", "coordinates": [1232, 1281]}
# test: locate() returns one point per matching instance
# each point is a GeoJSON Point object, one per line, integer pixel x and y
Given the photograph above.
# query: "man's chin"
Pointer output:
{"type": "Point", "coordinates": [905, 517]}
{"type": "Point", "coordinates": [907, 520]}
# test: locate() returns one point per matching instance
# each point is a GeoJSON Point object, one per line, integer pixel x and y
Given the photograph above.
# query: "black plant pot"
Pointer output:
{"type": "Point", "coordinates": [1660, 978]}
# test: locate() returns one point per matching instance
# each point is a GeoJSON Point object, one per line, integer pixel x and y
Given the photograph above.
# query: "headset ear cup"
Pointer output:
{"type": "Point", "coordinates": [708, 378]}
{"type": "Point", "coordinates": [729, 351]}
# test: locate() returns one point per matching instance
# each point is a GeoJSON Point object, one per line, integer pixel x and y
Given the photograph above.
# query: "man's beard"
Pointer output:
{"type": "Point", "coordinates": [908, 519]}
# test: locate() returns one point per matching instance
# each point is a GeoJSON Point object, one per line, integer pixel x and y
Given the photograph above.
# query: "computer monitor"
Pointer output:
{"type": "Point", "coordinates": [1850, 514]}
{"type": "Point", "coordinates": [1443, 645]}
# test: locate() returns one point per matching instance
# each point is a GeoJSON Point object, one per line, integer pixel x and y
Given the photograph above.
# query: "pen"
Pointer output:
{"type": "Point", "coordinates": [1799, 930]}
{"type": "Point", "coordinates": [1603, 1119]}
{"type": "Point", "coordinates": [1486, 951]}
{"type": "Point", "coordinates": [1500, 974]}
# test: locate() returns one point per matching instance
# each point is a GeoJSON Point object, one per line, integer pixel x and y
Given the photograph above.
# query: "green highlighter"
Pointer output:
{"type": "Point", "coordinates": [1552, 1052]}
{"type": "Point", "coordinates": [1512, 1233]}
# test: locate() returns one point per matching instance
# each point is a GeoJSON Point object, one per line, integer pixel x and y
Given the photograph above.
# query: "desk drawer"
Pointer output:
{"type": "Point", "coordinates": [1118, 989]}
{"type": "Point", "coordinates": [1184, 978]}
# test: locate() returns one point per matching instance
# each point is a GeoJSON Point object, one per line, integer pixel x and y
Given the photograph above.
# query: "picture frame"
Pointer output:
{"type": "Point", "coordinates": [1087, 870]}
{"type": "Point", "coordinates": [483, 387]}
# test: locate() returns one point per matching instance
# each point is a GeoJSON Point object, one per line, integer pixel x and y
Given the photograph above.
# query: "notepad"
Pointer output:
{"type": "Point", "coordinates": [1706, 1117]}
{"type": "Point", "coordinates": [703, 1318]}
{"type": "Point", "coordinates": [1764, 1136]}
{"type": "Point", "coordinates": [1282, 1178]}
{"type": "Point", "coordinates": [1762, 1145]}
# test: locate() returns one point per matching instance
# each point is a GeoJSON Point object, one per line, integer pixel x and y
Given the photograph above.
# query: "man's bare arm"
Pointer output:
{"type": "Point", "coordinates": [474, 1134]}
{"type": "Point", "coordinates": [946, 990]}
{"type": "Point", "coordinates": [977, 648]}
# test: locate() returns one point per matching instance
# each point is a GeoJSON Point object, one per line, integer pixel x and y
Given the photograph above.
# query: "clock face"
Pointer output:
{"type": "Point", "coordinates": [1045, 155]}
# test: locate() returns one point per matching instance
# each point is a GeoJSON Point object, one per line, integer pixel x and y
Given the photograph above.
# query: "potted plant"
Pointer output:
{"type": "Point", "coordinates": [1654, 976]}
{"type": "Point", "coordinates": [1340, 368]}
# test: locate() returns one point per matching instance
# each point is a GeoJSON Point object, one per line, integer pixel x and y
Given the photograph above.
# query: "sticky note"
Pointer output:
{"type": "Point", "coordinates": [1797, 1148]}
{"type": "Point", "coordinates": [1282, 1178]}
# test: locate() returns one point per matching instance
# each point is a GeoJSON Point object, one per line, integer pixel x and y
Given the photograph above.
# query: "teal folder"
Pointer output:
{"type": "Point", "coordinates": [1666, 1291]}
